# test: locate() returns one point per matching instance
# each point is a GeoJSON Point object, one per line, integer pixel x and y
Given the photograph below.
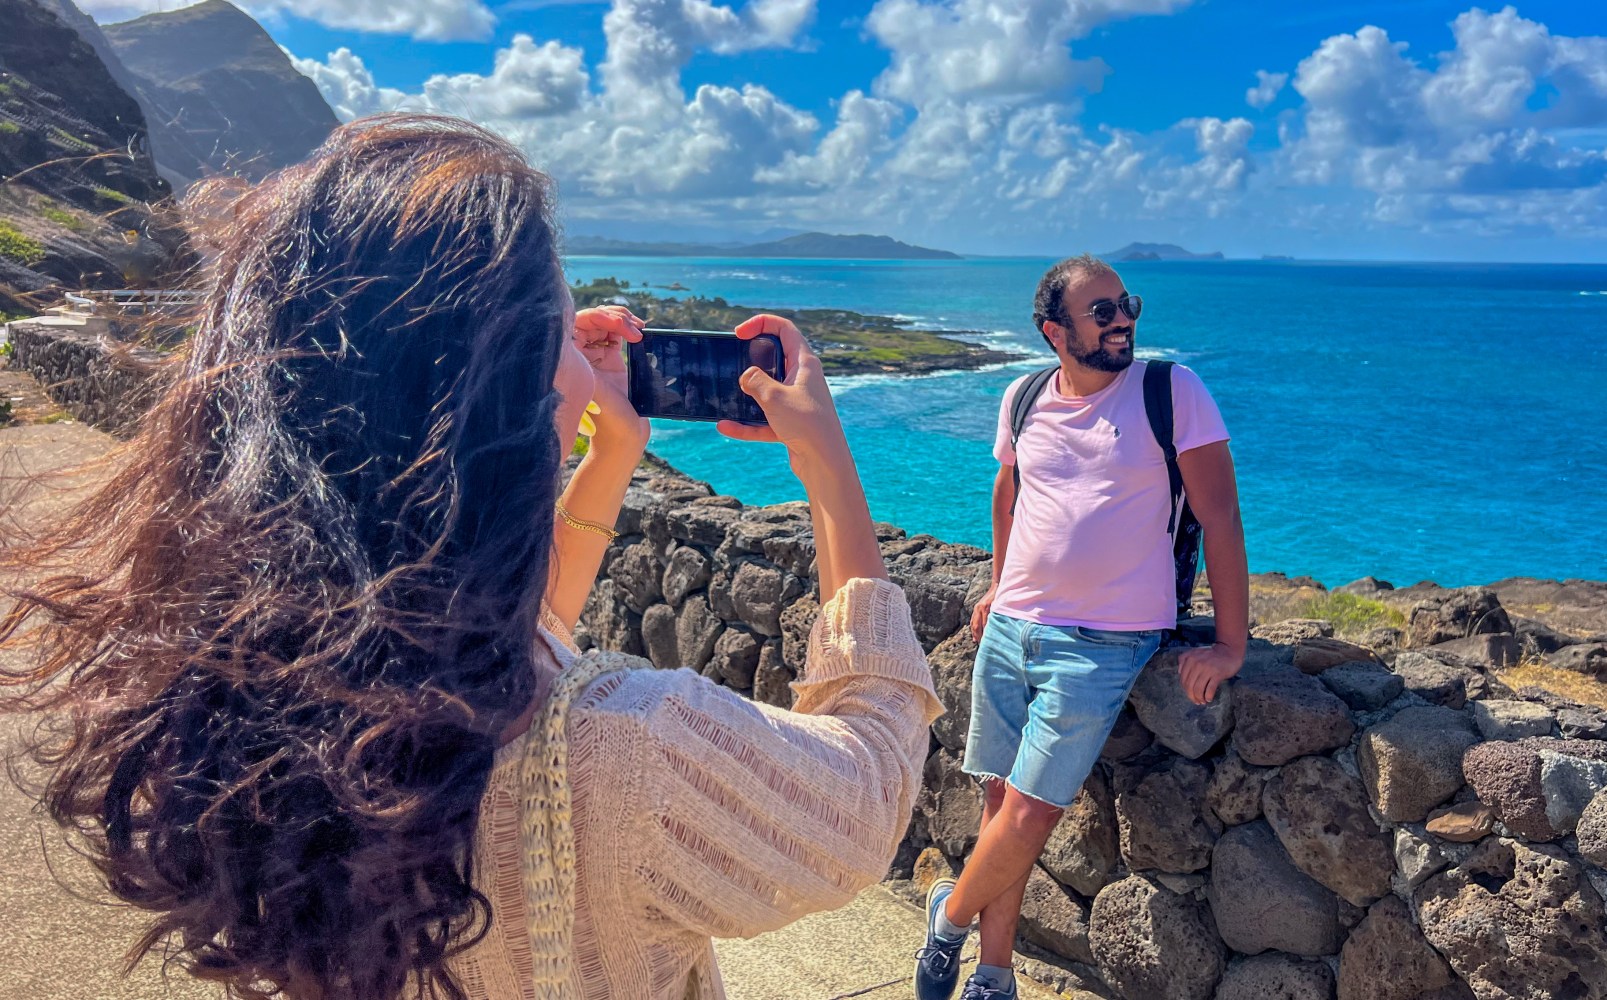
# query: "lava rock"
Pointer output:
{"type": "Point", "coordinates": [687, 570]}
{"type": "Point", "coordinates": [952, 663]}
{"type": "Point", "coordinates": [1165, 710]}
{"type": "Point", "coordinates": [1582, 723]}
{"type": "Point", "coordinates": [1053, 918]}
{"type": "Point", "coordinates": [736, 657]}
{"type": "Point", "coordinates": [1455, 614]}
{"type": "Point", "coordinates": [1412, 762]}
{"type": "Point", "coordinates": [1387, 958]}
{"type": "Point", "coordinates": [1417, 856]}
{"type": "Point", "coordinates": [1518, 921]}
{"type": "Point", "coordinates": [1234, 794]}
{"type": "Point", "coordinates": [696, 632]}
{"type": "Point", "coordinates": [1364, 686]}
{"type": "Point", "coordinates": [951, 802]}
{"type": "Point", "coordinates": [1504, 719]}
{"type": "Point", "coordinates": [1279, 715]}
{"type": "Point", "coordinates": [1513, 779]}
{"type": "Point", "coordinates": [1320, 816]}
{"type": "Point", "coordinates": [1263, 902]}
{"type": "Point", "coordinates": [658, 635]}
{"type": "Point", "coordinates": [1588, 658]}
{"type": "Point", "coordinates": [1083, 850]}
{"type": "Point", "coordinates": [772, 683]}
{"type": "Point", "coordinates": [637, 573]}
{"type": "Point", "coordinates": [1128, 738]}
{"type": "Point", "coordinates": [1592, 831]}
{"type": "Point", "coordinates": [796, 624]}
{"type": "Point", "coordinates": [1277, 977]}
{"type": "Point", "coordinates": [1313, 656]}
{"type": "Point", "coordinates": [1150, 942]}
{"type": "Point", "coordinates": [1158, 810]}
{"type": "Point", "coordinates": [1488, 649]}
{"type": "Point", "coordinates": [1463, 823]}
{"type": "Point", "coordinates": [757, 596]}
{"type": "Point", "coordinates": [1434, 680]}
{"type": "Point", "coordinates": [1292, 630]}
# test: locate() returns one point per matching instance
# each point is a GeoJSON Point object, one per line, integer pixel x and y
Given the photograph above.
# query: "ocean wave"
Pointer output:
{"type": "Point", "coordinates": [1603, 292]}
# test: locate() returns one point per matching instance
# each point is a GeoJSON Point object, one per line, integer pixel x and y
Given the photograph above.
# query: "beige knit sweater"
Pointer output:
{"type": "Point", "coordinates": [651, 811]}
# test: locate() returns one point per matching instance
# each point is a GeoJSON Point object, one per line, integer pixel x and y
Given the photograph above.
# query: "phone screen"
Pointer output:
{"type": "Point", "coordinates": [692, 374]}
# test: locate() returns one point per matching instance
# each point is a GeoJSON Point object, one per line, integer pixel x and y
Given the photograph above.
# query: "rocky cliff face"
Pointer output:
{"type": "Point", "coordinates": [76, 177]}
{"type": "Point", "coordinates": [220, 95]}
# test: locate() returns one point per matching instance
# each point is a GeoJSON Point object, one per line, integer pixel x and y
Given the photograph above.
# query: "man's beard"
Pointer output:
{"type": "Point", "coordinates": [1102, 360]}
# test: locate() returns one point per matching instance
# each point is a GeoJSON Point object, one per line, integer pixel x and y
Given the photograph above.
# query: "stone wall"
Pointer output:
{"type": "Point", "coordinates": [72, 360]}
{"type": "Point", "coordinates": [1344, 820]}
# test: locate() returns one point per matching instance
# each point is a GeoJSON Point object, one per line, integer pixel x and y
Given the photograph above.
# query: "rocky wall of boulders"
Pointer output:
{"type": "Point", "coordinates": [77, 366]}
{"type": "Point", "coordinates": [1383, 821]}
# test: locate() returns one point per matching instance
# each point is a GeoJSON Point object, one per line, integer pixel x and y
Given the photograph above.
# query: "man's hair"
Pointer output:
{"type": "Point", "coordinates": [1048, 304]}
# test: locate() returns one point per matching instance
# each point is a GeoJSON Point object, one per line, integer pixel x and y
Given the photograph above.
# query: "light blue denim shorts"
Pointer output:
{"type": "Point", "coordinates": [1044, 699]}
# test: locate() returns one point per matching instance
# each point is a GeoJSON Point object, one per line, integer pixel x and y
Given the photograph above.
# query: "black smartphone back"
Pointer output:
{"type": "Point", "coordinates": [692, 374]}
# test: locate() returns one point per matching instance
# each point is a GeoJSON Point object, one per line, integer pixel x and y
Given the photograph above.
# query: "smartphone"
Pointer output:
{"type": "Point", "coordinates": [692, 374]}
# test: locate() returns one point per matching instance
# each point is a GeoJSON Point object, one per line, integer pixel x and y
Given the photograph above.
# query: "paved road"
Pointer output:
{"type": "Point", "coordinates": [63, 942]}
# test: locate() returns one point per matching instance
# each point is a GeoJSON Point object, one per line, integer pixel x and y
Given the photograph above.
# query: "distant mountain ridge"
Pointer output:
{"type": "Point", "coordinates": [219, 94]}
{"type": "Point", "coordinates": [806, 245]}
{"type": "Point", "coordinates": [1159, 251]}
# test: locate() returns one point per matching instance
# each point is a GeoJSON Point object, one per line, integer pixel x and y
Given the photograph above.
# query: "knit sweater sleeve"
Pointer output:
{"type": "Point", "coordinates": [755, 816]}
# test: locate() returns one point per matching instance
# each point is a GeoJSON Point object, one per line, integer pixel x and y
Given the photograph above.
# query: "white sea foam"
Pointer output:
{"type": "Point", "coordinates": [1603, 292]}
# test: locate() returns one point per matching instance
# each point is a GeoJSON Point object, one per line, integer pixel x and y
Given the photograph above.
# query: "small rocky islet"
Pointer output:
{"type": "Point", "coordinates": [848, 342]}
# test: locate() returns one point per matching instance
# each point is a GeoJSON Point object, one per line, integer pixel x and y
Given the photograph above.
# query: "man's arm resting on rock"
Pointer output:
{"type": "Point", "coordinates": [1213, 495]}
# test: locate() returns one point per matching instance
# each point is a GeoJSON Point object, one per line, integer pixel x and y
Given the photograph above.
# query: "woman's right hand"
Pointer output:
{"type": "Point", "coordinates": [799, 408]}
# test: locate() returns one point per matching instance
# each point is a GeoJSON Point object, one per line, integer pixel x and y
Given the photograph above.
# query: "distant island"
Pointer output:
{"type": "Point", "coordinates": [848, 343]}
{"type": "Point", "coordinates": [1158, 251]}
{"type": "Point", "coordinates": [810, 245]}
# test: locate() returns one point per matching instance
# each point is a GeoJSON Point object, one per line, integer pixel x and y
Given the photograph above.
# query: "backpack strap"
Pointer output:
{"type": "Point", "coordinates": [1020, 407]}
{"type": "Point", "coordinates": [1158, 408]}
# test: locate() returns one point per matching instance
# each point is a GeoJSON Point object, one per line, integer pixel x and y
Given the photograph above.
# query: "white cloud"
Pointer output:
{"type": "Point", "coordinates": [1266, 89]}
{"type": "Point", "coordinates": [992, 48]}
{"type": "Point", "coordinates": [433, 20]}
{"type": "Point", "coordinates": [347, 85]}
{"type": "Point", "coordinates": [528, 81]}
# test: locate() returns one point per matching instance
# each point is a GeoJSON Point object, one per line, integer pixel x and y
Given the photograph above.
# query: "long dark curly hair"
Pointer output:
{"type": "Point", "coordinates": [278, 648]}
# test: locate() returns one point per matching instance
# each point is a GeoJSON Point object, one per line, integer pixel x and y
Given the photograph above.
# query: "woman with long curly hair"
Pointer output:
{"type": "Point", "coordinates": [305, 656]}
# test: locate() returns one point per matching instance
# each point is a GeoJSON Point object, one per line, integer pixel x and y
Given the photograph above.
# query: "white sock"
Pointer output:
{"type": "Point", "coordinates": [947, 928]}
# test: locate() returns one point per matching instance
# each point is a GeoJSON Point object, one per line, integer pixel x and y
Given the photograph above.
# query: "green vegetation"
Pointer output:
{"type": "Point", "coordinates": [1351, 615]}
{"type": "Point", "coordinates": [847, 342]}
{"type": "Point", "coordinates": [60, 416]}
{"type": "Point", "coordinates": [62, 217]}
{"type": "Point", "coordinates": [110, 195]}
{"type": "Point", "coordinates": [5, 411]}
{"type": "Point", "coordinates": [62, 137]}
{"type": "Point", "coordinates": [15, 246]}
{"type": "Point", "coordinates": [9, 128]}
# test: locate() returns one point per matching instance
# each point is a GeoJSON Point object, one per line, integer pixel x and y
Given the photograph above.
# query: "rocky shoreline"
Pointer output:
{"type": "Point", "coordinates": [849, 343]}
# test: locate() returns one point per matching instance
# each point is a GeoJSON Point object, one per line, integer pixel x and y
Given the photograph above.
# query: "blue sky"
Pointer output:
{"type": "Point", "coordinates": [1402, 130]}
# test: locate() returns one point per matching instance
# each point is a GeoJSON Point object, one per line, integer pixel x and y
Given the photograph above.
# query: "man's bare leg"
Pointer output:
{"type": "Point", "coordinates": [1014, 829]}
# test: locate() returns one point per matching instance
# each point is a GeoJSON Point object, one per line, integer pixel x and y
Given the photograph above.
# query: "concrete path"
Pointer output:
{"type": "Point", "coordinates": [64, 942]}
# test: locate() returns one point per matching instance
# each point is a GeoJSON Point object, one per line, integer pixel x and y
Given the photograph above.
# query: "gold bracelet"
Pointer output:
{"type": "Point", "coordinates": [579, 525]}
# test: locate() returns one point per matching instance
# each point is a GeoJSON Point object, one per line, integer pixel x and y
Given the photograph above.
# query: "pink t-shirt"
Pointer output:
{"type": "Point", "coordinates": [1089, 545]}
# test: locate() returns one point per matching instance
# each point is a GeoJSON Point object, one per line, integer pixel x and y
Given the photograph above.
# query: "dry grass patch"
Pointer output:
{"type": "Point", "coordinates": [1565, 683]}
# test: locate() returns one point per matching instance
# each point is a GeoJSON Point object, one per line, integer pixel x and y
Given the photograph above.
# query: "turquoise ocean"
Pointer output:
{"type": "Point", "coordinates": [1442, 422]}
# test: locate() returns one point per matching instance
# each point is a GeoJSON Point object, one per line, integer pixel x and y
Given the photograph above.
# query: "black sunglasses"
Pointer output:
{"type": "Point", "coordinates": [1104, 311]}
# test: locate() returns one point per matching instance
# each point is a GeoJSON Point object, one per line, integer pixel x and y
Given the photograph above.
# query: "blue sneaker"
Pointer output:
{"type": "Point", "coordinates": [981, 988]}
{"type": "Point", "coordinates": [937, 964]}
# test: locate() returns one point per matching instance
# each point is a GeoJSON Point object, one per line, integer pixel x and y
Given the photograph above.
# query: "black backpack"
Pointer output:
{"type": "Point", "coordinates": [1182, 525]}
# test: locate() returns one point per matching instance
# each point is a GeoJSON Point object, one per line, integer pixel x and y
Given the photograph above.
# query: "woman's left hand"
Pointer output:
{"type": "Point", "coordinates": [601, 333]}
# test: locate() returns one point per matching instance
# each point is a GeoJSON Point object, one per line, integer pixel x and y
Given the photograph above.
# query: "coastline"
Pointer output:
{"type": "Point", "coordinates": [848, 342]}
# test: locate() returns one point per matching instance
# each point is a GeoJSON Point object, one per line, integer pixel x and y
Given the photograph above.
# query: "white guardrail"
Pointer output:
{"type": "Point", "coordinates": [131, 300]}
